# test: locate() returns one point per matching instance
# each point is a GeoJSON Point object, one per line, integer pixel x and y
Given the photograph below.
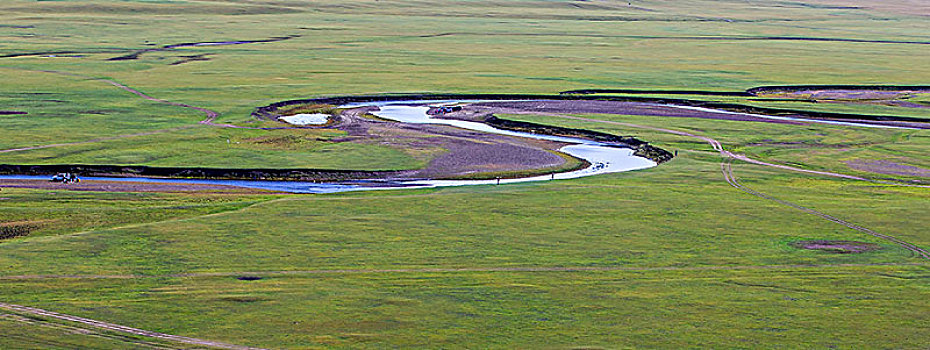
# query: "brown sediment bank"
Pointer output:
{"type": "Point", "coordinates": [619, 108]}
{"type": "Point", "coordinates": [268, 112]}
{"type": "Point", "coordinates": [457, 152]}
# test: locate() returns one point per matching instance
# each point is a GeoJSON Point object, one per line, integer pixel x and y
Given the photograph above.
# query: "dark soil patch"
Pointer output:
{"type": "Point", "coordinates": [12, 113]}
{"type": "Point", "coordinates": [96, 112]}
{"type": "Point", "coordinates": [190, 58]}
{"type": "Point", "coordinates": [248, 278]}
{"type": "Point", "coordinates": [16, 229]}
{"type": "Point", "coordinates": [132, 56]}
{"type": "Point", "coordinates": [837, 247]}
{"type": "Point", "coordinates": [242, 298]}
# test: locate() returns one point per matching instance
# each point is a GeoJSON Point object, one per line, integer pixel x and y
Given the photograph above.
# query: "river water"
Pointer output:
{"type": "Point", "coordinates": [603, 157]}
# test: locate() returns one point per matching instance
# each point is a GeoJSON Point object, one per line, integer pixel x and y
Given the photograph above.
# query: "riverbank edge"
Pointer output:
{"type": "Point", "coordinates": [197, 173]}
{"type": "Point", "coordinates": [268, 112]}
{"type": "Point", "coordinates": [640, 148]}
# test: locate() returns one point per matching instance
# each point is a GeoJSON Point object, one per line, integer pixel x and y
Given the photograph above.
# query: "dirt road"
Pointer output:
{"type": "Point", "coordinates": [209, 114]}
{"type": "Point", "coordinates": [730, 177]}
{"type": "Point", "coordinates": [120, 328]}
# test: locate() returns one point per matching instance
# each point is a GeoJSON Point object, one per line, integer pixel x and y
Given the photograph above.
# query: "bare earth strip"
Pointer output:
{"type": "Point", "coordinates": [122, 329]}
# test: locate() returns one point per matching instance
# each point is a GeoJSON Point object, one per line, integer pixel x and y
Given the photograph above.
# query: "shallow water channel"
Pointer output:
{"type": "Point", "coordinates": [603, 157]}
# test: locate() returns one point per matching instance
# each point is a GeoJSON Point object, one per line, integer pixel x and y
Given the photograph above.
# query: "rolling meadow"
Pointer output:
{"type": "Point", "coordinates": [668, 257]}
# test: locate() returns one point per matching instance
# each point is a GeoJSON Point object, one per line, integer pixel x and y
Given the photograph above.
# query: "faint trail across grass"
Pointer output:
{"type": "Point", "coordinates": [730, 178]}
{"type": "Point", "coordinates": [120, 328]}
{"type": "Point", "coordinates": [210, 119]}
{"type": "Point", "coordinates": [454, 270]}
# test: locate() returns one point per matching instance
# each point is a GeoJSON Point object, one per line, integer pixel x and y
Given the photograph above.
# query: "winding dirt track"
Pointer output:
{"type": "Point", "coordinates": [728, 175]}
{"type": "Point", "coordinates": [99, 139]}
{"type": "Point", "coordinates": [209, 120]}
{"type": "Point", "coordinates": [211, 115]}
{"type": "Point", "coordinates": [122, 329]}
{"type": "Point", "coordinates": [726, 167]}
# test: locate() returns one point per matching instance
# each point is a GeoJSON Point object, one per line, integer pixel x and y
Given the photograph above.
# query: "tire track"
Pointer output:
{"type": "Point", "coordinates": [210, 116]}
{"type": "Point", "coordinates": [730, 178]}
{"type": "Point", "coordinates": [121, 329]}
{"type": "Point", "coordinates": [727, 169]}
{"type": "Point", "coordinates": [75, 329]}
{"type": "Point", "coordinates": [99, 139]}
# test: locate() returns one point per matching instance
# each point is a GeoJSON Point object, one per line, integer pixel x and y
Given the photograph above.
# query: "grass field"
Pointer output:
{"type": "Point", "coordinates": [668, 257]}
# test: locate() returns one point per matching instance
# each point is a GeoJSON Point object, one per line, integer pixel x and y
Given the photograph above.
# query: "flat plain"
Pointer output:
{"type": "Point", "coordinates": [675, 256]}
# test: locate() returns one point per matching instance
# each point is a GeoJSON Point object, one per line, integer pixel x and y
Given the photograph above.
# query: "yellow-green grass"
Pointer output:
{"type": "Point", "coordinates": [25, 331]}
{"type": "Point", "coordinates": [56, 212]}
{"type": "Point", "coordinates": [228, 148]}
{"type": "Point", "coordinates": [869, 108]}
{"type": "Point", "coordinates": [680, 215]}
{"type": "Point", "coordinates": [814, 147]}
{"type": "Point", "coordinates": [680, 218]}
{"type": "Point", "coordinates": [844, 307]}
{"type": "Point", "coordinates": [502, 46]}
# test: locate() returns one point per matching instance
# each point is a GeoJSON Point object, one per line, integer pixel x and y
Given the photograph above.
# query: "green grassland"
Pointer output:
{"type": "Point", "coordinates": [680, 258]}
{"type": "Point", "coordinates": [845, 107]}
{"type": "Point", "coordinates": [816, 147]}
{"type": "Point", "coordinates": [405, 46]}
{"type": "Point", "coordinates": [65, 212]}
{"type": "Point", "coordinates": [667, 225]}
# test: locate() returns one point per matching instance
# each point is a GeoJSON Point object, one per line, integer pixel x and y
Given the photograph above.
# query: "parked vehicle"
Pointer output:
{"type": "Point", "coordinates": [65, 178]}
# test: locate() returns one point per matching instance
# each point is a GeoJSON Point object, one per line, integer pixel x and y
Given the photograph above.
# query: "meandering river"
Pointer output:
{"type": "Point", "coordinates": [604, 158]}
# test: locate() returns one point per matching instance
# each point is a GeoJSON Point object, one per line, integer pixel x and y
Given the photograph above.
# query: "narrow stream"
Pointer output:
{"type": "Point", "coordinates": [603, 157]}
